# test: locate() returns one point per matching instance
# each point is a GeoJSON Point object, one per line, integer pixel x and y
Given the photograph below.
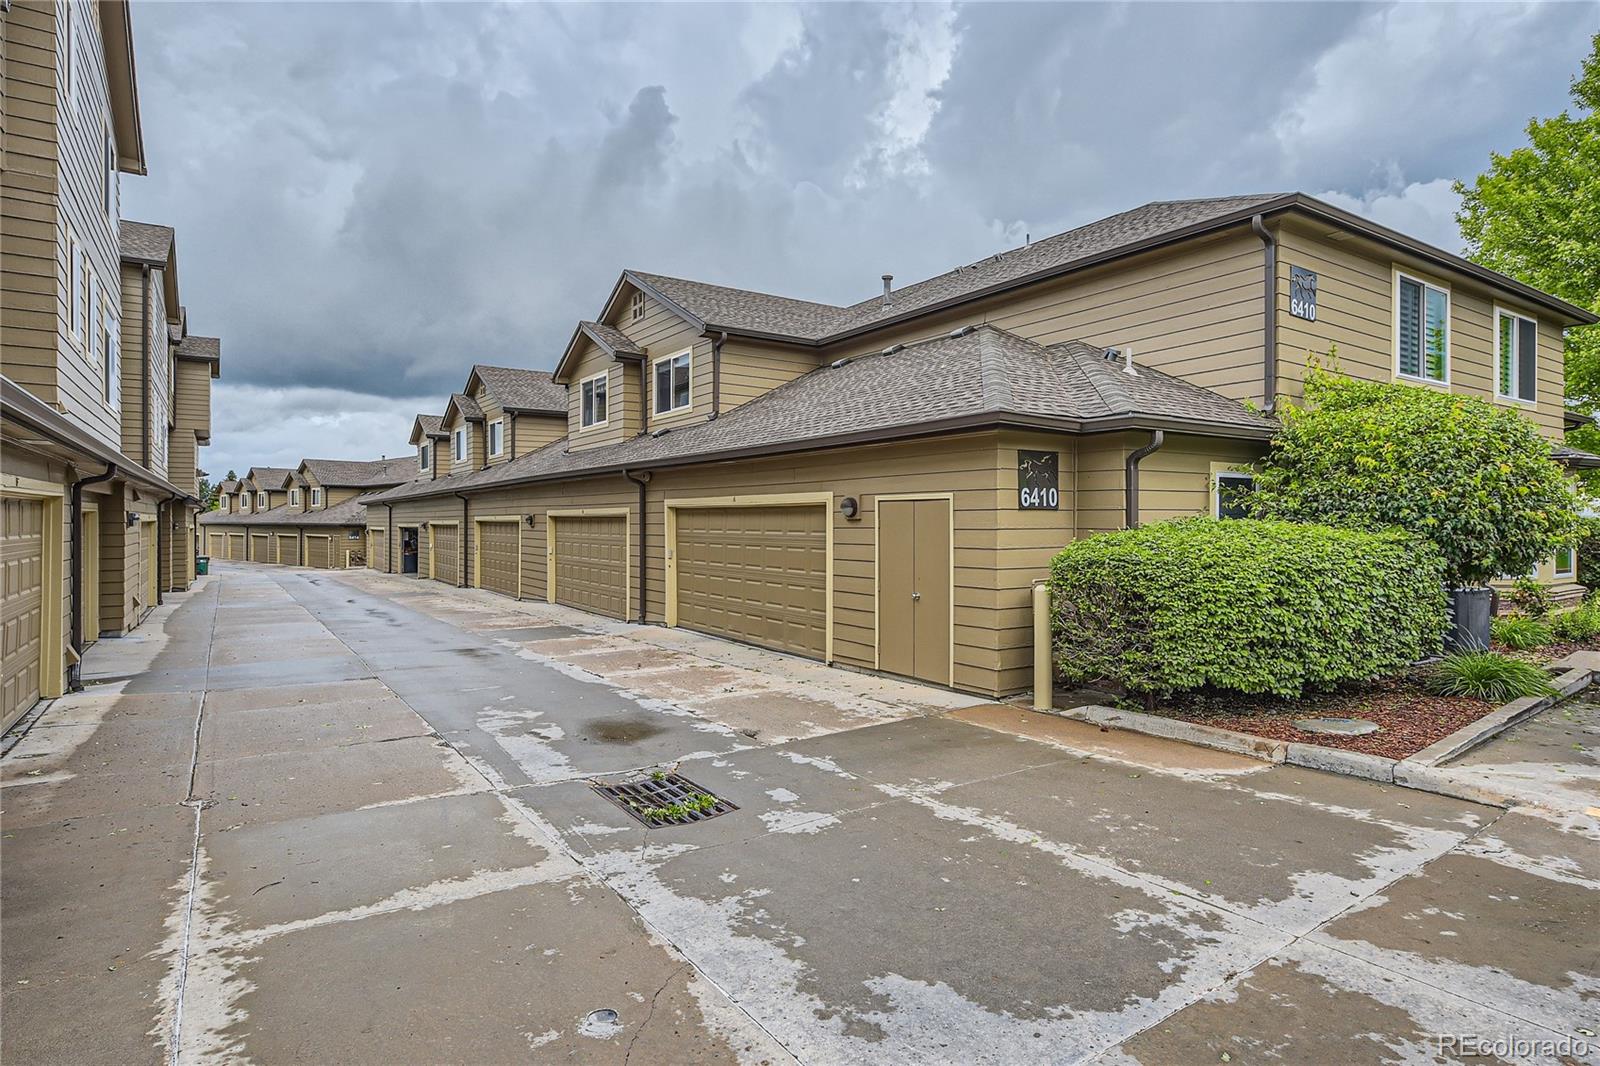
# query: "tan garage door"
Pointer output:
{"type": "Point", "coordinates": [319, 550]}
{"type": "Point", "coordinates": [288, 549]}
{"type": "Point", "coordinates": [499, 556]}
{"type": "Point", "coordinates": [591, 563]}
{"type": "Point", "coordinates": [261, 548]}
{"type": "Point", "coordinates": [378, 557]}
{"type": "Point", "coordinates": [446, 553]}
{"type": "Point", "coordinates": [217, 545]}
{"type": "Point", "coordinates": [22, 560]}
{"type": "Point", "coordinates": [757, 574]}
{"type": "Point", "coordinates": [236, 546]}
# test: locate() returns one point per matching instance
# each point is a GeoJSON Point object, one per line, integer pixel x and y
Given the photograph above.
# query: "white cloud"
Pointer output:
{"type": "Point", "coordinates": [255, 426]}
{"type": "Point", "coordinates": [1425, 210]}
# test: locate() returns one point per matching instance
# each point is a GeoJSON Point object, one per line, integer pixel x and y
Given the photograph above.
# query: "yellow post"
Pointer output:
{"type": "Point", "coordinates": [1043, 668]}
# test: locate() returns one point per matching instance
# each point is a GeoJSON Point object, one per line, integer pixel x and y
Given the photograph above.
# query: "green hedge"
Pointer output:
{"type": "Point", "coordinates": [1251, 606]}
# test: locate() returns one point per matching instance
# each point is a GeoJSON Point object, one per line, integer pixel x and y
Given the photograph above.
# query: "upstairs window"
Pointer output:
{"type": "Point", "coordinates": [672, 383]}
{"type": "Point", "coordinates": [244, 503]}
{"type": "Point", "coordinates": [108, 355]}
{"type": "Point", "coordinates": [1422, 331]}
{"type": "Point", "coordinates": [316, 496]}
{"type": "Point", "coordinates": [110, 175]}
{"type": "Point", "coordinates": [459, 439]}
{"type": "Point", "coordinates": [261, 501]}
{"type": "Point", "coordinates": [294, 497]}
{"type": "Point", "coordinates": [594, 402]}
{"type": "Point", "coordinates": [495, 432]}
{"type": "Point", "coordinates": [222, 504]}
{"type": "Point", "coordinates": [1516, 344]}
{"type": "Point", "coordinates": [636, 307]}
{"type": "Point", "coordinates": [423, 457]}
{"type": "Point", "coordinates": [1228, 501]}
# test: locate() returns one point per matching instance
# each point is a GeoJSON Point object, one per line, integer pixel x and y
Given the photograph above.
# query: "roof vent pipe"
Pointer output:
{"type": "Point", "coordinates": [888, 280]}
{"type": "Point", "coordinates": [1127, 361]}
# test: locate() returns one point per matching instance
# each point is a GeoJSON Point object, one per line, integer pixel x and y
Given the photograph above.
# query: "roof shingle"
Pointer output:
{"type": "Point", "coordinates": [144, 241]}
{"type": "Point", "coordinates": [523, 390]}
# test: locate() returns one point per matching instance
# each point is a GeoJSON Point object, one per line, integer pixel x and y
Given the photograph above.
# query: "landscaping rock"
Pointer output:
{"type": "Point", "coordinates": [1344, 727]}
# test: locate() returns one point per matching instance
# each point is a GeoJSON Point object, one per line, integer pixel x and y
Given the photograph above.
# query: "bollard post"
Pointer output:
{"type": "Point", "coordinates": [1043, 668]}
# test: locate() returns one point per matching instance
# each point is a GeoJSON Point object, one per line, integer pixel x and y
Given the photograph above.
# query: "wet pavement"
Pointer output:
{"type": "Point", "coordinates": [305, 816]}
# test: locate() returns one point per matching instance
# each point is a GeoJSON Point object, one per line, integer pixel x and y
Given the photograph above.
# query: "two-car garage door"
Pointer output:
{"type": "Point", "coordinates": [757, 574]}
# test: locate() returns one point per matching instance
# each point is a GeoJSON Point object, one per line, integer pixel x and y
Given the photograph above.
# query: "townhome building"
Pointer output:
{"type": "Point", "coordinates": [313, 515]}
{"type": "Point", "coordinates": [879, 485]}
{"type": "Point", "coordinates": [99, 428]}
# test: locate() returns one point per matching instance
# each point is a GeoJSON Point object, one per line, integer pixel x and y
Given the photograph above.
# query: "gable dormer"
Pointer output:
{"type": "Point", "coordinates": [463, 425]}
{"type": "Point", "coordinates": [430, 439]}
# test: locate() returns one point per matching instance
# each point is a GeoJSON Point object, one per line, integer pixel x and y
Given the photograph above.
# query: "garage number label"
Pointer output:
{"type": "Point", "coordinates": [1038, 481]}
{"type": "Point", "coordinates": [1302, 293]}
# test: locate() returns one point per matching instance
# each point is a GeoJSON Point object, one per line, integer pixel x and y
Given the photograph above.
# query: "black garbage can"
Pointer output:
{"type": "Point", "coordinates": [1470, 612]}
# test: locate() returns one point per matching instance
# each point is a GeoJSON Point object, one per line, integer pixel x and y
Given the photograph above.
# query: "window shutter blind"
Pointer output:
{"type": "Point", "coordinates": [1527, 346]}
{"type": "Point", "coordinates": [1410, 328]}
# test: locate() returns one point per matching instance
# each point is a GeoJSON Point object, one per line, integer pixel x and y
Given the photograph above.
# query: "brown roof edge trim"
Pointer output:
{"type": "Point", "coordinates": [964, 424]}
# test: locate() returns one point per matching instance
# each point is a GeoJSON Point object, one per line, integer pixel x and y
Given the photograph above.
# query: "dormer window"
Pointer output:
{"type": "Point", "coordinates": [593, 412]}
{"type": "Point", "coordinates": [672, 383]}
{"type": "Point", "coordinates": [636, 307]}
{"type": "Point", "coordinates": [222, 505]}
{"type": "Point", "coordinates": [316, 496]}
{"type": "Point", "coordinates": [496, 434]}
{"type": "Point", "coordinates": [261, 501]}
{"type": "Point", "coordinates": [424, 458]}
{"type": "Point", "coordinates": [294, 497]}
{"type": "Point", "coordinates": [459, 445]}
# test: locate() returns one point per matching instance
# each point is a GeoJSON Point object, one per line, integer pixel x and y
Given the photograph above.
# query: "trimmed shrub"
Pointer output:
{"type": "Point", "coordinates": [1488, 675]}
{"type": "Point", "coordinates": [1473, 477]}
{"type": "Point", "coordinates": [1531, 598]}
{"type": "Point", "coordinates": [1578, 623]}
{"type": "Point", "coordinates": [1519, 632]}
{"type": "Point", "coordinates": [1247, 605]}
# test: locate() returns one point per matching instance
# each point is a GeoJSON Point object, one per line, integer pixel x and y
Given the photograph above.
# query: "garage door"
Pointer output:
{"type": "Point", "coordinates": [319, 550]}
{"type": "Point", "coordinates": [22, 560]}
{"type": "Point", "coordinates": [499, 556]}
{"type": "Point", "coordinates": [446, 553]}
{"type": "Point", "coordinates": [288, 549]}
{"type": "Point", "coordinates": [757, 574]}
{"type": "Point", "coordinates": [591, 563]}
{"type": "Point", "coordinates": [236, 546]}
{"type": "Point", "coordinates": [217, 545]}
{"type": "Point", "coordinates": [261, 548]}
{"type": "Point", "coordinates": [378, 557]}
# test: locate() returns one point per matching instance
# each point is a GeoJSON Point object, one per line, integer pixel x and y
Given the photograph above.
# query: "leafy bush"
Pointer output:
{"type": "Point", "coordinates": [1488, 675]}
{"type": "Point", "coordinates": [1589, 553]}
{"type": "Point", "coordinates": [1475, 479]}
{"type": "Point", "coordinates": [1247, 605]}
{"type": "Point", "coordinates": [1578, 623]}
{"type": "Point", "coordinates": [1520, 632]}
{"type": "Point", "coordinates": [1531, 598]}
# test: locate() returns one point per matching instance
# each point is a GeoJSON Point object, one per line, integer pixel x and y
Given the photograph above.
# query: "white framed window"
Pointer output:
{"type": "Point", "coordinates": [222, 504]}
{"type": "Point", "coordinates": [459, 445]}
{"type": "Point", "coordinates": [109, 354]}
{"type": "Point", "coordinates": [496, 431]}
{"type": "Point", "coordinates": [67, 59]}
{"type": "Point", "coordinates": [1228, 490]}
{"type": "Point", "coordinates": [261, 501]}
{"type": "Point", "coordinates": [316, 496]}
{"type": "Point", "coordinates": [636, 307]}
{"type": "Point", "coordinates": [244, 503]}
{"type": "Point", "coordinates": [1516, 356]}
{"type": "Point", "coordinates": [1422, 330]}
{"type": "Point", "coordinates": [110, 173]}
{"type": "Point", "coordinates": [1566, 561]}
{"type": "Point", "coordinates": [294, 497]}
{"type": "Point", "coordinates": [593, 400]}
{"type": "Point", "coordinates": [423, 457]}
{"type": "Point", "coordinates": [672, 382]}
{"type": "Point", "coordinates": [75, 294]}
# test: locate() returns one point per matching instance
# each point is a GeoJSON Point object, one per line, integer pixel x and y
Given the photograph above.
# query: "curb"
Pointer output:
{"type": "Point", "coordinates": [1423, 771]}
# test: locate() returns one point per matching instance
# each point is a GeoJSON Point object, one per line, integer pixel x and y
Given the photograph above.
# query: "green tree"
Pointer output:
{"type": "Point", "coordinates": [1535, 215]}
{"type": "Point", "coordinates": [1474, 478]}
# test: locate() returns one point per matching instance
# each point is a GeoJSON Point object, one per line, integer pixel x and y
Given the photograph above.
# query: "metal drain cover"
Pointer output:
{"type": "Point", "coordinates": [665, 799]}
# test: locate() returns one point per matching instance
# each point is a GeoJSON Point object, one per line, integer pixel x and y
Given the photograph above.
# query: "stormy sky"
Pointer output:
{"type": "Point", "coordinates": [370, 198]}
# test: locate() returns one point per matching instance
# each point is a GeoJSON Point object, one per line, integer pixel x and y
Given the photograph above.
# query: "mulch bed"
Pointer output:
{"type": "Point", "coordinates": [1408, 717]}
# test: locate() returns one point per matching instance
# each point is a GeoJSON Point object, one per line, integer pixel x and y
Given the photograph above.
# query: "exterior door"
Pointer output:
{"type": "Point", "coordinates": [91, 576]}
{"type": "Point", "coordinates": [499, 560]}
{"type": "Point", "coordinates": [289, 549]}
{"type": "Point", "coordinates": [22, 647]}
{"type": "Point", "coordinates": [914, 594]}
{"type": "Point", "coordinates": [148, 552]}
{"type": "Point", "coordinates": [378, 555]}
{"type": "Point", "coordinates": [589, 564]}
{"type": "Point", "coordinates": [408, 549]}
{"type": "Point", "coordinates": [445, 546]}
{"type": "Point", "coordinates": [756, 574]}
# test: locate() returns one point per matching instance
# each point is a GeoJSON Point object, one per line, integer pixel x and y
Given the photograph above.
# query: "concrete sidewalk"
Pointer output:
{"type": "Point", "coordinates": [398, 857]}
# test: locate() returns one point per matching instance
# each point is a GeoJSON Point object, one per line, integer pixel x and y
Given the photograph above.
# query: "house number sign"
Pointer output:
{"type": "Point", "coordinates": [1038, 481]}
{"type": "Point", "coordinates": [1302, 293]}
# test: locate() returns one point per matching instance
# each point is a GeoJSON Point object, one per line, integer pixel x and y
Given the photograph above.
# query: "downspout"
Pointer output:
{"type": "Point", "coordinates": [388, 540]}
{"type": "Point", "coordinates": [716, 373]}
{"type": "Point", "coordinates": [1269, 319]}
{"type": "Point", "coordinates": [641, 480]}
{"type": "Point", "coordinates": [461, 573]}
{"type": "Point", "coordinates": [144, 367]}
{"type": "Point", "coordinates": [75, 641]}
{"type": "Point", "coordinates": [1135, 457]}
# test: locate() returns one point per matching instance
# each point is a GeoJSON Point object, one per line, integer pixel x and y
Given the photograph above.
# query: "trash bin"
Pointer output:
{"type": "Point", "coordinates": [202, 564]}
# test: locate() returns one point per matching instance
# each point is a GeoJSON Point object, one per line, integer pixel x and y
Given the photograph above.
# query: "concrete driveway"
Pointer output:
{"type": "Point", "coordinates": [307, 816]}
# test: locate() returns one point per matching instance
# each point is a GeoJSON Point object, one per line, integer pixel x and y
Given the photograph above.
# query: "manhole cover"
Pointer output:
{"type": "Point", "coordinates": [665, 799]}
{"type": "Point", "coordinates": [1349, 727]}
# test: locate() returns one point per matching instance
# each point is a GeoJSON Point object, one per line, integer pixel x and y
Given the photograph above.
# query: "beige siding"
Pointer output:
{"type": "Point", "coordinates": [750, 369]}
{"type": "Point", "coordinates": [144, 325]}
{"type": "Point", "coordinates": [622, 400]}
{"type": "Point", "coordinates": [533, 432]}
{"type": "Point", "coordinates": [1175, 481]}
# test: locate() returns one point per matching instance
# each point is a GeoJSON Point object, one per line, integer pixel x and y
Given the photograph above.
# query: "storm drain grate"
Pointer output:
{"type": "Point", "coordinates": [665, 799]}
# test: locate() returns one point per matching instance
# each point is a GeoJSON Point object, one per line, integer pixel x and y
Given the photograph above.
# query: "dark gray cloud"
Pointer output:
{"type": "Point", "coordinates": [370, 197]}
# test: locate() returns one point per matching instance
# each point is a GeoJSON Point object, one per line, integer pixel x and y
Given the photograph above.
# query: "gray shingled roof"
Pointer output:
{"type": "Point", "coordinates": [228, 485]}
{"type": "Point", "coordinates": [466, 405]}
{"type": "Point", "coordinates": [432, 425]}
{"type": "Point", "coordinates": [269, 477]}
{"type": "Point", "coordinates": [351, 512]}
{"type": "Point", "coordinates": [805, 320]}
{"type": "Point", "coordinates": [523, 390]}
{"type": "Point", "coordinates": [972, 377]}
{"type": "Point", "coordinates": [352, 473]}
{"type": "Point", "coordinates": [610, 338]}
{"type": "Point", "coordinates": [192, 347]}
{"type": "Point", "coordinates": [144, 241]}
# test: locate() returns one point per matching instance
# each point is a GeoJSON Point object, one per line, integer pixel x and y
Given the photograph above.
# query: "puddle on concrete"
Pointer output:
{"type": "Point", "coordinates": [622, 730]}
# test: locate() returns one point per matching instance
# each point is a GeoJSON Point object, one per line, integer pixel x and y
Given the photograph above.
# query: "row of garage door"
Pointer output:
{"type": "Point", "coordinates": [757, 574]}
{"type": "Point", "coordinates": [281, 548]}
